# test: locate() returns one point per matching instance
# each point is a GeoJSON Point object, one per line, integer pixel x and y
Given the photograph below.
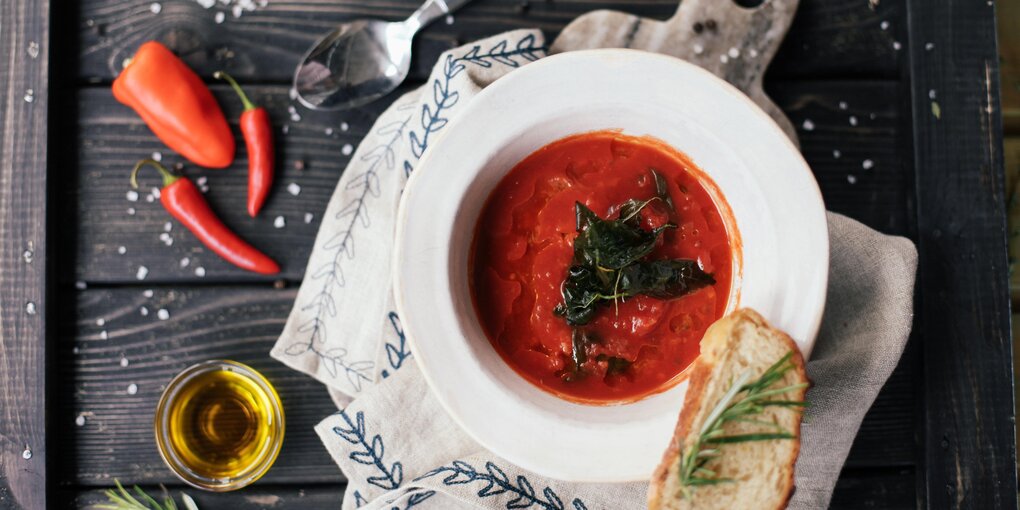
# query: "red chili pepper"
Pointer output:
{"type": "Point", "coordinates": [258, 136]}
{"type": "Point", "coordinates": [176, 105]}
{"type": "Point", "coordinates": [185, 202]}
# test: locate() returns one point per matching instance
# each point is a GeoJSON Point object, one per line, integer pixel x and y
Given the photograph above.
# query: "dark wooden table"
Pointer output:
{"type": "Point", "coordinates": [897, 107]}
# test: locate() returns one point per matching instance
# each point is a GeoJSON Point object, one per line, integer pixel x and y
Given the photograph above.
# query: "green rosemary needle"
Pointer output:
{"type": "Point", "coordinates": [740, 403]}
{"type": "Point", "coordinates": [121, 499]}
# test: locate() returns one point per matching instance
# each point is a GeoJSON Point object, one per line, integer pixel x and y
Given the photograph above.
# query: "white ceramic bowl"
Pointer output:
{"type": "Point", "coordinates": [776, 205]}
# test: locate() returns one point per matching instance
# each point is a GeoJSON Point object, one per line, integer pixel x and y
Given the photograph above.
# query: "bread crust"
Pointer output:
{"type": "Point", "coordinates": [696, 391]}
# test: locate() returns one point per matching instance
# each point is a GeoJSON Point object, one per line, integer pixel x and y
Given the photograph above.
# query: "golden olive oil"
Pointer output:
{"type": "Point", "coordinates": [221, 425]}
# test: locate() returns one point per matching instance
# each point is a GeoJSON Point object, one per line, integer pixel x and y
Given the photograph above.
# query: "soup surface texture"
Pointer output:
{"type": "Point", "coordinates": [524, 248]}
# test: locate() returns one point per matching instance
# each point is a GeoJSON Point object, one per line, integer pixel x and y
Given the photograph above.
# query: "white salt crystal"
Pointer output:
{"type": "Point", "coordinates": [280, 222]}
{"type": "Point", "coordinates": [142, 272]}
{"type": "Point", "coordinates": [132, 195]}
{"type": "Point", "coordinates": [132, 389]}
{"type": "Point", "coordinates": [294, 189]}
{"type": "Point", "coordinates": [867, 164]}
{"type": "Point", "coordinates": [347, 149]}
{"type": "Point", "coordinates": [163, 314]}
{"type": "Point", "coordinates": [308, 217]}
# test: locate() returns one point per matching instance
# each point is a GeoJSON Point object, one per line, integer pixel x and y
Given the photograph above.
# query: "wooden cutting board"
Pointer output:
{"type": "Point", "coordinates": [733, 42]}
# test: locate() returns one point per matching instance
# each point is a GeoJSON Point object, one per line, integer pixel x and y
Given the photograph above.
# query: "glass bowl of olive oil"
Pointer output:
{"type": "Point", "coordinates": [219, 425]}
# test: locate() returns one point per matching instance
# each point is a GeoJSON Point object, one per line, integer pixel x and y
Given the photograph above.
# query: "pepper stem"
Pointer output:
{"type": "Point", "coordinates": [220, 75]}
{"type": "Point", "coordinates": [168, 177]}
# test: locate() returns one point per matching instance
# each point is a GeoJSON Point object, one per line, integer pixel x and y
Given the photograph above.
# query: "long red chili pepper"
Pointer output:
{"type": "Point", "coordinates": [185, 202]}
{"type": "Point", "coordinates": [258, 136]}
{"type": "Point", "coordinates": [176, 105]}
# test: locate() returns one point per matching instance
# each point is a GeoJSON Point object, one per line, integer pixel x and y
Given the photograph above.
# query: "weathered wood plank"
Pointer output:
{"type": "Point", "coordinates": [24, 93]}
{"type": "Point", "coordinates": [260, 496]}
{"type": "Point", "coordinates": [968, 428]}
{"type": "Point", "coordinates": [829, 37]}
{"type": "Point", "coordinates": [108, 326]}
{"type": "Point", "coordinates": [882, 489]}
{"type": "Point", "coordinates": [111, 138]}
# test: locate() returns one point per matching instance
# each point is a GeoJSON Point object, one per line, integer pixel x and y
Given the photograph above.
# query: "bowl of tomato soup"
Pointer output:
{"type": "Point", "coordinates": [570, 234]}
{"type": "Point", "coordinates": [634, 341]}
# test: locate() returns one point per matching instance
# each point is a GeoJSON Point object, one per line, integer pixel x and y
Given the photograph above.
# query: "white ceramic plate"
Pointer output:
{"type": "Point", "coordinates": [775, 201]}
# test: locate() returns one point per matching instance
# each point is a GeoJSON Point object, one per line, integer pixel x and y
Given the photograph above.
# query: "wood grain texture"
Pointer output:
{"type": "Point", "coordinates": [24, 50]}
{"type": "Point", "coordinates": [108, 326]}
{"type": "Point", "coordinates": [963, 316]}
{"type": "Point", "coordinates": [110, 138]}
{"type": "Point", "coordinates": [831, 38]}
{"type": "Point", "coordinates": [883, 489]}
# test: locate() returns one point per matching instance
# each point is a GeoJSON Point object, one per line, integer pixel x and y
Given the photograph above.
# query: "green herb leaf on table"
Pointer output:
{"type": "Point", "coordinates": [121, 499]}
{"type": "Point", "coordinates": [740, 403]}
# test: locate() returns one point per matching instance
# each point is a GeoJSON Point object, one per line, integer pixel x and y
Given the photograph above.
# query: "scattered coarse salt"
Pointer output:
{"type": "Point", "coordinates": [929, 46]}
{"type": "Point", "coordinates": [30, 308]}
{"type": "Point", "coordinates": [294, 189]}
{"type": "Point", "coordinates": [867, 164]}
{"type": "Point", "coordinates": [103, 335]}
{"type": "Point", "coordinates": [131, 211]}
{"type": "Point", "coordinates": [155, 192]}
{"type": "Point", "coordinates": [853, 120]}
{"type": "Point", "coordinates": [836, 153]}
{"type": "Point", "coordinates": [144, 311]}
{"type": "Point", "coordinates": [132, 389]}
{"type": "Point", "coordinates": [733, 53]}
{"type": "Point", "coordinates": [121, 250]}
{"type": "Point", "coordinates": [150, 198]}
{"type": "Point", "coordinates": [200, 271]}
{"type": "Point", "coordinates": [167, 240]}
{"type": "Point", "coordinates": [142, 272]}
{"type": "Point", "coordinates": [167, 227]}
{"type": "Point", "coordinates": [75, 350]}
{"type": "Point", "coordinates": [295, 117]}
{"type": "Point", "coordinates": [100, 322]}
{"type": "Point", "coordinates": [753, 53]}
{"type": "Point", "coordinates": [33, 49]}
{"type": "Point", "coordinates": [698, 49]}
{"type": "Point", "coordinates": [897, 46]}
{"type": "Point", "coordinates": [308, 217]}
{"type": "Point", "coordinates": [80, 285]}
{"type": "Point", "coordinates": [808, 125]}
{"type": "Point", "coordinates": [220, 17]}
{"type": "Point", "coordinates": [132, 195]}
{"type": "Point", "coordinates": [884, 25]}
{"type": "Point", "coordinates": [280, 222]}
{"type": "Point", "coordinates": [207, 4]}
{"type": "Point", "coordinates": [931, 94]}
{"type": "Point", "coordinates": [27, 454]}
{"type": "Point", "coordinates": [29, 96]}
{"type": "Point", "coordinates": [292, 93]}
{"type": "Point", "coordinates": [157, 156]}
{"type": "Point", "coordinates": [163, 314]}
{"type": "Point", "coordinates": [156, 7]}
{"type": "Point", "coordinates": [28, 256]}
{"type": "Point", "coordinates": [236, 11]}
{"type": "Point", "coordinates": [147, 293]}
{"type": "Point", "coordinates": [724, 58]}
{"type": "Point", "coordinates": [285, 129]}
{"type": "Point", "coordinates": [80, 420]}
{"type": "Point", "coordinates": [347, 149]}
{"type": "Point", "coordinates": [201, 180]}
{"type": "Point", "coordinates": [329, 131]}
{"type": "Point", "coordinates": [344, 126]}
{"type": "Point", "coordinates": [843, 105]}
{"type": "Point", "coordinates": [852, 179]}
{"type": "Point", "coordinates": [124, 361]}
{"type": "Point", "coordinates": [185, 262]}
{"type": "Point", "coordinates": [449, 19]}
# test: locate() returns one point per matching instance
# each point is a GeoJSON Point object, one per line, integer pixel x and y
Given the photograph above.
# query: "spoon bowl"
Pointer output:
{"type": "Point", "coordinates": [362, 60]}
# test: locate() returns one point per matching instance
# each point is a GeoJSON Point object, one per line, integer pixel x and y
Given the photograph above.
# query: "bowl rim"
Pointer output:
{"type": "Point", "coordinates": [812, 191]}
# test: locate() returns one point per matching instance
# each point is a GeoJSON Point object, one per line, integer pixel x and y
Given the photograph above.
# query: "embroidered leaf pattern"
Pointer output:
{"type": "Point", "coordinates": [369, 452]}
{"type": "Point", "coordinates": [494, 482]}
{"type": "Point", "coordinates": [399, 352]}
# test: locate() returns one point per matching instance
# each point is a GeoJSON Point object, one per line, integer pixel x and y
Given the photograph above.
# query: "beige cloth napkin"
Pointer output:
{"type": "Point", "coordinates": [396, 445]}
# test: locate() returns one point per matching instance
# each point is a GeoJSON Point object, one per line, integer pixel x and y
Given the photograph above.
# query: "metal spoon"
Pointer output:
{"type": "Point", "coordinates": [362, 60]}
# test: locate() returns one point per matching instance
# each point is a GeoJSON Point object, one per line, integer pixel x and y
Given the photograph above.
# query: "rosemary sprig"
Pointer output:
{"type": "Point", "coordinates": [741, 402]}
{"type": "Point", "coordinates": [121, 499]}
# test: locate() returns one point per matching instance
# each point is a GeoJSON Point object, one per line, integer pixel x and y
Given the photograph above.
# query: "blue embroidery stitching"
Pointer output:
{"type": "Point", "coordinates": [371, 452]}
{"type": "Point", "coordinates": [416, 499]}
{"type": "Point", "coordinates": [396, 354]}
{"type": "Point", "coordinates": [359, 500]}
{"type": "Point", "coordinates": [342, 244]}
{"type": "Point", "coordinates": [432, 119]}
{"type": "Point", "coordinates": [498, 483]}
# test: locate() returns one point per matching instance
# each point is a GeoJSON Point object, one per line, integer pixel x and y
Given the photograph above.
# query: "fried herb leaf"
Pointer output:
{"type": "Point", "coordinates": [607, 265]}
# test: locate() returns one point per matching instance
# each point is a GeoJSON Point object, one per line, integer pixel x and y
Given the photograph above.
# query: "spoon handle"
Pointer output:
{"type": "Point", "coordinates": [432, 10]}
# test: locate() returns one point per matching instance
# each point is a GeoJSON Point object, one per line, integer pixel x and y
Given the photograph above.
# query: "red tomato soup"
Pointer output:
{"type": "Point", "coordinates": [524, 249]}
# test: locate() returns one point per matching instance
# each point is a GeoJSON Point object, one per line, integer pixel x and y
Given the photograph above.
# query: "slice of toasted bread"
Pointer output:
{"type": "Point", "coordinates": [761, 472]}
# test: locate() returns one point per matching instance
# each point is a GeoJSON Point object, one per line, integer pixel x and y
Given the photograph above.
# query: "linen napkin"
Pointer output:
{"type": "Point", "coordinates": [395, 443]}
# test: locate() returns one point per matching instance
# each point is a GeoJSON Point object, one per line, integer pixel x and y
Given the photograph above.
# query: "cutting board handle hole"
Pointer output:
{"type": "Point", "coordinates": [749, 4]}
